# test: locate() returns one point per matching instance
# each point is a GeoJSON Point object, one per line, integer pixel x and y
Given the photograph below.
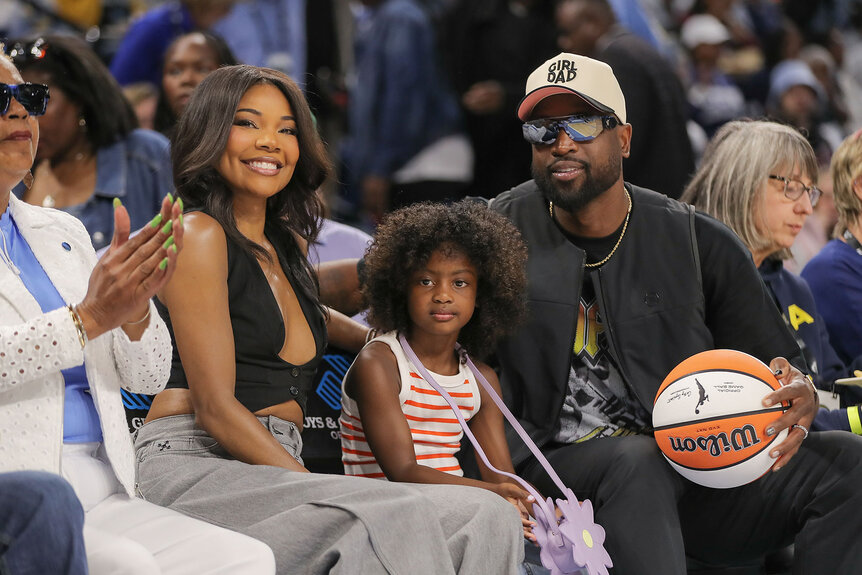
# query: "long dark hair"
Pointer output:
{"type": "Point", "coordinates": [165, 120]}
{"type": "Point", "coordinates": [75, 69]}
{"type": "Point", "coordinates": [199, 141]}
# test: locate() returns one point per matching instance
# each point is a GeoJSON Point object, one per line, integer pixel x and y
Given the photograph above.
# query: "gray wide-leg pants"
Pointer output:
{"type": "Point", "coordinates": [318, 523]}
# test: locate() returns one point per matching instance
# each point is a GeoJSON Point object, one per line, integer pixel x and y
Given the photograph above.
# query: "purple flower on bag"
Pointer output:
{"type": "Point", "coordinates": [578, 525]}
{"type": "Point", "coordinates": [575, 543]}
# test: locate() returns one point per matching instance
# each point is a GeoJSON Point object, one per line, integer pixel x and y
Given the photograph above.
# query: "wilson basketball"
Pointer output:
{"type": "Point", "coordinates": [709, 418]}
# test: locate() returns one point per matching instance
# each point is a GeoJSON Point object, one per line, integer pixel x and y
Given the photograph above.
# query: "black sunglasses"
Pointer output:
{"type": "Point", "coordinates": [34, 97]}
{"type": "Point", "coordinates": [579, 128]}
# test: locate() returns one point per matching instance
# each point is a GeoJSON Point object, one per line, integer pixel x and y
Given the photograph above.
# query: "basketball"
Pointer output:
{"type": "Point", "coordinates": [709, 418]}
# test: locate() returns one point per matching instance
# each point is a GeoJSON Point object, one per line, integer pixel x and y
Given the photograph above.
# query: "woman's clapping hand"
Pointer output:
{"type": "Point", "coordinates": [132, 271]}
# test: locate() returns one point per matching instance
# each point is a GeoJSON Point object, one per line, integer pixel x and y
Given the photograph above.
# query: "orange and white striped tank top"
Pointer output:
{"type": "Point", "coordinates": [435, 429]}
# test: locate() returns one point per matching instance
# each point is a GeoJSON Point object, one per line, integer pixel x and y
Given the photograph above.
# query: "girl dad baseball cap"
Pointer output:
{"type": "Point", "coordinates": [566, 73]}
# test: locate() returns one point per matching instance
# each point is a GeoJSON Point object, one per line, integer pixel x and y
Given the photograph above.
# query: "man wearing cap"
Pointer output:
{"type": "Point", "coordinates": [712, 95]}
{"type": "Point", "coordinates": [624, 283]}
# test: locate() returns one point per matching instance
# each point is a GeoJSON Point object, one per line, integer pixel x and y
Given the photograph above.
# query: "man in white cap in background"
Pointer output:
{"type": "Point", "coordinates": [713, 96]}
{"type": "Point", "coordinates": [623, 284]}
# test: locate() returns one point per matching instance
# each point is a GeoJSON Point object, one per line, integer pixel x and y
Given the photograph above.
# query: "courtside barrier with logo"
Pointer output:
{"type": "Point", "coordinates": [321, 439]}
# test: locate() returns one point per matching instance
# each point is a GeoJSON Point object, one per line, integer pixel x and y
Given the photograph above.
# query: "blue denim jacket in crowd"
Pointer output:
{"type": "Point", "coordinates": [400, 102]}
{"type": "Point", "coordinates": [137, 169]}
{"type": "Point", "coordinates": [269, 33]}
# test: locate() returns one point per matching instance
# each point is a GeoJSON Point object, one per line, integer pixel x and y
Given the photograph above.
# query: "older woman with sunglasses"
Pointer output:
{"type": "Point", "coordinates": [72, 333]}
{"type": "Point", "coordinates": [835, 274]}
{"type": "Point", "coordinates": [758, 178]}
{"type": "Point", "coordinates": [91, 150]}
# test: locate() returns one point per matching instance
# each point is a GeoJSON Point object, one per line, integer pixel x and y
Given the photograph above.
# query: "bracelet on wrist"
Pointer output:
{"type": "Point", "coordinates": [79, 325]}
{"type": "Point", "coordinates": [370, 334]}
{"type": "Point", "coordinates": [142, 320]}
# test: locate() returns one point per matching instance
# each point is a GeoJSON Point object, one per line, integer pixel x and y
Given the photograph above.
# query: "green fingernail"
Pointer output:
{"type": "Point", "coordinates": [181, 219]}
{"type": "Point", "coordinates": [170, 198]}
{"type": "Point", "coordinates": [154, 223]}
{"type": "Point", "coordinates": [166, 229]}
{"type": "Point", "coordinates": [174, 248]}
{"type": "Point", "coordinates": [168, 243]}
{"type": "Point", "coordinates": [180, 202]}
{"type": "Point", "coordinates": [163, 264]}
{"type": "Point", "coordinates": [117, 203]}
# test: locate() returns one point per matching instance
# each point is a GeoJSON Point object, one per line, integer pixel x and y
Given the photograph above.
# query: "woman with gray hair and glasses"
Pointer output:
{"type": "Point", "coordinates": [758, 178]}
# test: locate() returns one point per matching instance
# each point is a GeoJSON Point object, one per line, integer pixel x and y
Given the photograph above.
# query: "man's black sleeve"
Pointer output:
{"type": "Point", "coordinates": [740, 313]}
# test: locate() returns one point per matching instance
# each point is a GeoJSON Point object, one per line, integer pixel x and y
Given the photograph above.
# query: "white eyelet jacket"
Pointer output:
{"type": "Point", "coordinates": [35, 346]}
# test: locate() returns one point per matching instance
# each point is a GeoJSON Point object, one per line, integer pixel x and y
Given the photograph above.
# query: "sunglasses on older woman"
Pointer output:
{"type": "Point", "coordinates": [34, 97]}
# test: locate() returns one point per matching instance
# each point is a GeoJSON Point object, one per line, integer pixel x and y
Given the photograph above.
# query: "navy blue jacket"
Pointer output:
{"type": "Point", "coordinates": [794, 299]}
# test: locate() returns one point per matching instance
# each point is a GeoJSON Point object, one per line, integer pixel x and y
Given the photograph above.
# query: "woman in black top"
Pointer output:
{"type": "Point", "coordinates": [223, 443]}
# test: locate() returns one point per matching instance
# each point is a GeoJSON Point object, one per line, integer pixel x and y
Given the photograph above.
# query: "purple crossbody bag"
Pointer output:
{"type": "Point", "coordinates": [568, 544]}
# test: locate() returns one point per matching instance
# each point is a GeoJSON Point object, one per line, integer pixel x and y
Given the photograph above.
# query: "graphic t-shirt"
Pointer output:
{"type": "Point", "coordinates": [598, 402]}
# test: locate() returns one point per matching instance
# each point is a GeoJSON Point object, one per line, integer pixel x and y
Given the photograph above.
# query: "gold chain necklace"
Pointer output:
{"type": "Point", "coordinates": [619, 241]}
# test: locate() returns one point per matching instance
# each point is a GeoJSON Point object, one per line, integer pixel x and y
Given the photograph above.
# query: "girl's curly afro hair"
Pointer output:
{"type": "Point", "coordinates": [404, 243]}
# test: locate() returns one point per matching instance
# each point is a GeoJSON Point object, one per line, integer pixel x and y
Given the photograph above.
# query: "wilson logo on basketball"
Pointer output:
{"type": "Point", "coordinates": [740, 438]}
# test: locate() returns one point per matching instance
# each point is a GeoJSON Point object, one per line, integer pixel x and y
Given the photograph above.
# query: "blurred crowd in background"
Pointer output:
{"type": "Point", "coordinates": [416, 98]}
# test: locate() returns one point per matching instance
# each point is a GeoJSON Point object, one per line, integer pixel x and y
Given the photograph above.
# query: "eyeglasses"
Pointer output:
{"type": "Point", "coordinates": [34, 97]}
{"type": "Point", "coordinates": [578, 128]}
{"type": "Point", "coordinates": [34, 50]}
{"type": "Point", "coordinates": [793, 189]}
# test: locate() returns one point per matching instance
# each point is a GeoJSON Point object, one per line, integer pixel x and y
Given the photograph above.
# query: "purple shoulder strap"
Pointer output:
{"type": "Point", "coordinates": [408, 351]}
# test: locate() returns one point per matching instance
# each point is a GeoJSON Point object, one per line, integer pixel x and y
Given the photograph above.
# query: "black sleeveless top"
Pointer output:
{"type": "Point", "coordinates": [263, 379]}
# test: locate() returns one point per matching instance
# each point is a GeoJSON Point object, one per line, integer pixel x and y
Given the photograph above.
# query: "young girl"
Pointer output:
{"type": "Point", "coordinates": [439, 275]}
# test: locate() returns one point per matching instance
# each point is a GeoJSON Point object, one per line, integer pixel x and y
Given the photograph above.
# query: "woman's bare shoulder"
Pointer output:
{"type": "Point", "coordinates": [203, 236]}
{"type": "Point", "coordinates": [203, 258]}
{"type": "Point", "coordinates": [199, 222]}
